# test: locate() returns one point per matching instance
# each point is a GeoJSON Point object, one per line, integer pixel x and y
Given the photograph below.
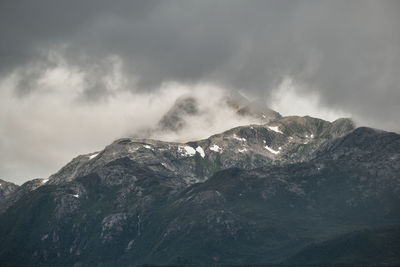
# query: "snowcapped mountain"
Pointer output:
{"type": "Point", "coordinates": [254, 194]}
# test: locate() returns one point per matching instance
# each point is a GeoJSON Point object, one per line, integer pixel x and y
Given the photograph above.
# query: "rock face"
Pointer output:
{"type": "Point", "coordinates": [288, 140]}
{"type": "Point", "coordinates": [6, 189]}
{"type": "Point", "coordinates": [18, 191]}
{"type": "Point", "coordinates": [174, 120]}
{"type": "Point", "coordinates": [251, 195]}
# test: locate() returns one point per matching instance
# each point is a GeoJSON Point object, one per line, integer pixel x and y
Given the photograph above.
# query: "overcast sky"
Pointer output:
{"type": "Point", "coordinates": [76, 74]}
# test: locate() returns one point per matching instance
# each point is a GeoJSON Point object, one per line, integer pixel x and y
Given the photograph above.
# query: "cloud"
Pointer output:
{"type": "Point", "coordinates": [211, 115]}
{"type": "Point", "coordinates": [43, 130]}
{"type": "Point", "coordinates": [290, 99]}
{"type": "Point", "coordinates": [56, 120]}
{"type": "Point", "coordinates": [346, 52]}
{"type": "Point", "coordinates": [89, 59]}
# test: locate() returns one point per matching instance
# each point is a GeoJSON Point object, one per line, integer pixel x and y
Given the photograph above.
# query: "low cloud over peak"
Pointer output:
{"type": "Point", "coordinates": [87, 72]}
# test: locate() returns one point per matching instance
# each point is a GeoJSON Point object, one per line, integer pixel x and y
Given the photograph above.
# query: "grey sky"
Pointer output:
{"type": "Point", "coordinates": [345, 54]}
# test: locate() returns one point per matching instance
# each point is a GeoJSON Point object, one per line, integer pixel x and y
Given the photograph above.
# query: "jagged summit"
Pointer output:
{"type": "Point", "coordinates": [313, 127]}
{"type": "Point", "coordinates": [283, 141]}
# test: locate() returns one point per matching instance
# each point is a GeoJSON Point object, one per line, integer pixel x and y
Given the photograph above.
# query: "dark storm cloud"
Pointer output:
{"type": "Point", "coordinates": [347, 51]}
{"type": "Point", "coordinates": [27, 25]}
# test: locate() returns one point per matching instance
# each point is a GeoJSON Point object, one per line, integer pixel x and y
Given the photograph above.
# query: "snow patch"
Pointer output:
{"type": "Point", "coordinates": [201, 151]}
{"type": "Point", "coordinates": [271, 150]}
{"type": "Point", "coordinates": [312, 136]}
{"type": "Point", "coordinates": [44, 181]}
{"type": "Point", "coordinates": [275, 129]}
{"type": "Point", "coordinates": [242, 150]}
{"type": "Point", "coordinates": [165, 165]}
{"type": "Point", "coordinates": [215, 148]}
{"type": "Point", "coordinates": [147, 146]}
{"type": "Point", "coordinates": [76, 195]}
{"type": "Point", "coordinates": [238, 138]}
{"type": "Point", "coordinates": [130, 244]}
{"type": "Point", "coordinates": [44, 237]}
{"type": "Point", "coordinates": [93, 156]}
{"type": "Point", "coordinates": [187, 151]}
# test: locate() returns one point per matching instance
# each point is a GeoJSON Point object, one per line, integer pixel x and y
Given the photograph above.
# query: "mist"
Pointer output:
{"type": "Point", "coordinates": [56, 121]}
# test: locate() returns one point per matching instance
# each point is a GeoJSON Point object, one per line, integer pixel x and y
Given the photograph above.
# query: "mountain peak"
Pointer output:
{"type": "Point", "coordinates": [174, 119]}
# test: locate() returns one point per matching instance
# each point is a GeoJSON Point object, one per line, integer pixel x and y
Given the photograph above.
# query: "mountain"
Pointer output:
{"type": "Point", "coordinates": [293, 190]}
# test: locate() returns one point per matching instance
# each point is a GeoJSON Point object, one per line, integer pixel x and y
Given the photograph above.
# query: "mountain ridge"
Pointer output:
{"type": "Point", "coordinates": [255, 194]}
{"type": "Point", "coordinates": [251, 139]}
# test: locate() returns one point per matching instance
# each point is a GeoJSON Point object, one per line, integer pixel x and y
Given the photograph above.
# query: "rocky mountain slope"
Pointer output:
{"type": "Point", "coordinates": [17, 192]}
{"type": "Point", "coordinates": [290, 139]}
{"type": "Point", "coordinates": [6, 189]}
{"type": "Point", "coordinates": [251, 195]}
